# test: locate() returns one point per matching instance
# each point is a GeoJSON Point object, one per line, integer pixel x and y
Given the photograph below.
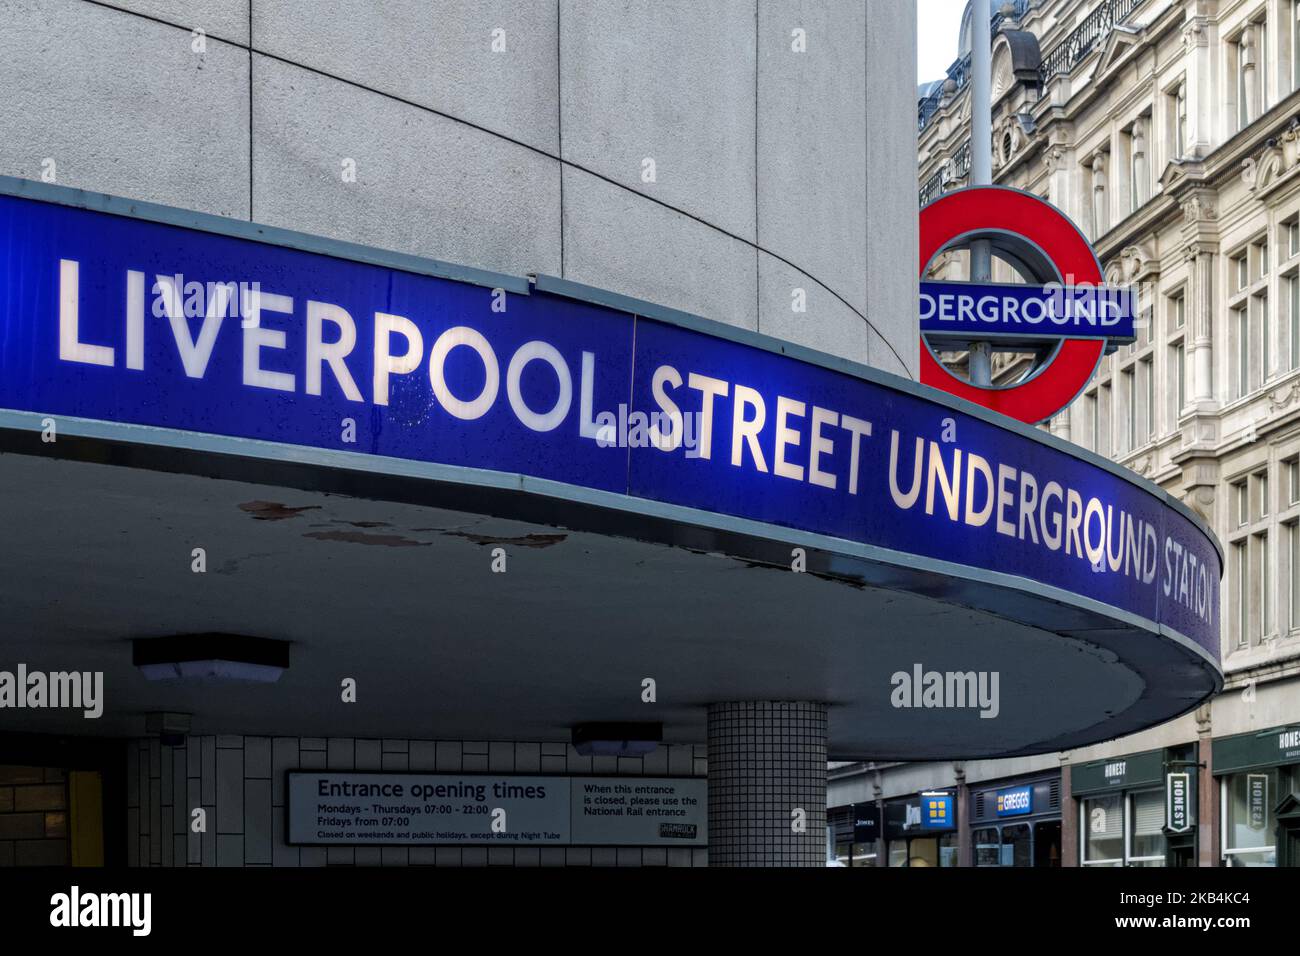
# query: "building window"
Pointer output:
{"type": "Point", "coordinates": [1242, 595]}
{"type": "Point", "coordinates": [1292, 468]}
{"type": "Point", "coordinates": [1264, 330]}
{"type": "Point", "coordinates": [1248, 820]}
{"type": "Point", "coordinates": [1177, 390]}
{"type": "Point", "coordinates": [1147, 845]}
{"type": "Point", "coordinates": [1103, 824]}
{"type": "Point", "coordinates": [1292, 530]}
{"type": "Point", "coordinates": [1291, 233]}
{"type": "Point", "coordinates": [1178, 310]}
{"type": "Point", "coordinates": [1128, 395]}
{"type": "Point", "coordinates": [1292, 8]}
{"type": "Point", "coordinates": [1259, 252]}
{"type": "Point", "coordinates": [1124, 830]}
{"type": "Point", "coordinates": [1265, 586]}
{"type": "Point", "coordinates": [1254, 572]}
{"type": "Point", "coordinates": [1089, 422]}
{"type": "Point", "coordinates": [1146, 375]}
{"type": "Point", "coordinates": [1105, 442]}
{"type": "Point", "coordinates": [1293, 320]}
{"type": "Point", "coordinates": [1241, 345]}
{"type": "Point", "coordinates": [988, 847]}
{"type": "Point", "coordinates": [1249, 319]}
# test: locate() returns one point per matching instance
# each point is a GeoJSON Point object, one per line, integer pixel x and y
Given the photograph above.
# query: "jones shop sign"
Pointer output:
{"type": "Point", "coordinates": [193, 334]}
{"type": "Point", "coordinates": [432, 809]}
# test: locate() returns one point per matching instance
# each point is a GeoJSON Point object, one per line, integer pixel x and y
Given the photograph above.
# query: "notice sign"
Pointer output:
{"type": "Point", "coordinates": [639, 811]}
{"type": "Point", "coordinates": [432, 809]}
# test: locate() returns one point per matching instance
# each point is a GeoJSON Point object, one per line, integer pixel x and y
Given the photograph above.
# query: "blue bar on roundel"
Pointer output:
{"type": "Point", "coordinates": [971, 311]}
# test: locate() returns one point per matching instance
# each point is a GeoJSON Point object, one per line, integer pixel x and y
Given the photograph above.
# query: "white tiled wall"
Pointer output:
{"type": "Point", "coordinates": [239, 781]}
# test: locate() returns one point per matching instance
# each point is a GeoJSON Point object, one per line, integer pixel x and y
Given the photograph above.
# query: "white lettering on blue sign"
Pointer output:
{"type": "Point", "coordinates": [1053, 310]}
{"type": "Point", "coordinates": [255, 341]}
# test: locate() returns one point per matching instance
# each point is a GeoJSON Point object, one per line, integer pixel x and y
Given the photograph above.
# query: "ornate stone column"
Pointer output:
{"type": "Point", "coordinates": [1200, 431]}
{"type": "Point", "coordinates": [1198, 31]}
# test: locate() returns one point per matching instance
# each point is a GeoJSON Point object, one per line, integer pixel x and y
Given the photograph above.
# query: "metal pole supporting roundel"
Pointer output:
{"type": "Point", "coordinates": [983, 211]}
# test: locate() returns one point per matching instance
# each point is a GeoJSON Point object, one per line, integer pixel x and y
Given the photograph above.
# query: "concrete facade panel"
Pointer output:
{"type": "Point", "coordinates": [337, 161]}
{"type": "Point", "coordinates": [671, 82]}
{"type": "Point", "coordinates": [892, 236]}
{"type": "Point", "coordinates": [794, 308]}
{"type": "Point", "coordinates": [812, 140]}
{"type": "Point", "coordinates": [443, 55]}
{"type": "Point", "coordinates": [617, 240]}
{"type": "Point", "coordinates": [103, 100]}
{"type": "Point", "coordinates": [224, 19]}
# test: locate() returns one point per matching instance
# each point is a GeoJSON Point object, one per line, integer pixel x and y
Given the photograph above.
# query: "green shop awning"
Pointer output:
{"type": "Point", "coordinates": [1262, 748]}
{"type": "Point", "coordinates": [1118, 773]}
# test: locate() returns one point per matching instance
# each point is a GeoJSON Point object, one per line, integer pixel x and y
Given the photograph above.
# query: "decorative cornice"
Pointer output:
{"type": "Point", "coordinates": [1196, 32]}
{"type": "Point", "coordinates": [1137, 263]}
{"type": "Point", "coordinates": [1274, 165]}
{"type": "Point", "coordinates": [1283, 397]}
{"type": "Point", "coordinates": [1054, 158]}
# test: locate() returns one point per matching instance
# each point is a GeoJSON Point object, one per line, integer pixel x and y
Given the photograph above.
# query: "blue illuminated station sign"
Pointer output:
{"type": "Point", "coordinates": [175, 332]}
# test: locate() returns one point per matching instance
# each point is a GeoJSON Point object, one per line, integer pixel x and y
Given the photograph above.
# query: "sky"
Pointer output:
{"type": "Point", "coordinates": [938, 23]}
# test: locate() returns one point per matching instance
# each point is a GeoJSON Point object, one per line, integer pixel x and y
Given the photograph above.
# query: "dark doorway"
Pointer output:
{"type": "Point", "coordinates": [62, 801]}
{"type": "Point", "coordinates": [1288, 831]}
{"type": "Point", "coordinates": [1047, 843]}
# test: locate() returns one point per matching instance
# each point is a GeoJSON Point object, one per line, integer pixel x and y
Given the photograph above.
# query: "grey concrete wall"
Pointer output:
{"type": "Point", "coordinates": [775, 170]}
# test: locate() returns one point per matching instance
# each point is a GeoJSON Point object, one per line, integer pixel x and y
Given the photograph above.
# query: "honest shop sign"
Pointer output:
{"type": "Point", "coordinates": [447, 809]}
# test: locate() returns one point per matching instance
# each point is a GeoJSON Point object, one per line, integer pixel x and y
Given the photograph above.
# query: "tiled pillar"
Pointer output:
{"type": "Point", "coordinates": [767, 783]}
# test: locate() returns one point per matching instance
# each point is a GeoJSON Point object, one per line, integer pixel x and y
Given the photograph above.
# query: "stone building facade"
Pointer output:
{"type": "Point", "coordinates": [1169, 130]}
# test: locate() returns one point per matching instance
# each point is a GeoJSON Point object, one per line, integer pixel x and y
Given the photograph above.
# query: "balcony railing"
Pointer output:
{"type": "Point", "coordinates": [956, 168]}
{"type": "Point", "coordinates": [1084, 38]}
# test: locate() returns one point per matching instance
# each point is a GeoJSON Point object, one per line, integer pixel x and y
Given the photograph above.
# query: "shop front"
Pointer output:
{"type": "Point", "coordinates": [921, 830]}
{"type": "Point", "coordinates": [854, 835]}
{"type": "Point", "coordinates": [1139, 809]}
{"type": "Point", "coordinates": [1017, 823]}
{"type": "Point", "coordinates": [1259, 781]}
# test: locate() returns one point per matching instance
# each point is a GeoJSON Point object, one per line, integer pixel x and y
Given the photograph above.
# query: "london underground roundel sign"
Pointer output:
{"type": "Point", "coordinates": [1072, 314]}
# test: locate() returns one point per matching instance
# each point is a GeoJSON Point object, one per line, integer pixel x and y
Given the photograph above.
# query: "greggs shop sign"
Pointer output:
{"type": "Point", "coordinates": [121, 318]}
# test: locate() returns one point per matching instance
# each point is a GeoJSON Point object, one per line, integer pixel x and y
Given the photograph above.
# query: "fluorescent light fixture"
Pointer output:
{"type": "Point", "coordinates": [211, 656]}
{"type": "Point", "coordinates": [612, 739]}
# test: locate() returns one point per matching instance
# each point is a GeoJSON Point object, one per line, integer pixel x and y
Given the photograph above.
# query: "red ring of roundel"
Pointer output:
{"type": "Point", "coordinates": [981, 208]}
